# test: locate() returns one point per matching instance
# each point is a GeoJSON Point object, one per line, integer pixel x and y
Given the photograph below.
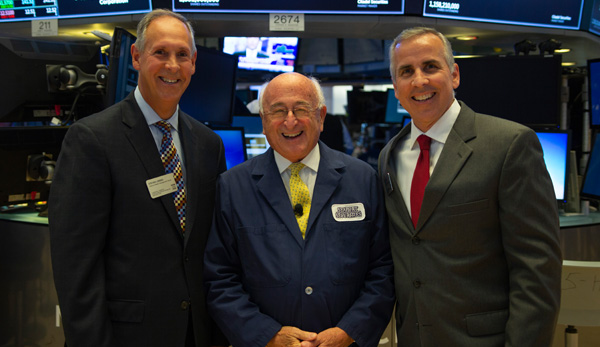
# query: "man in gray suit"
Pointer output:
{"type": "Point", "coordinates": [127, 233]}
{"type": "Point", "coordinates": [477, 260]}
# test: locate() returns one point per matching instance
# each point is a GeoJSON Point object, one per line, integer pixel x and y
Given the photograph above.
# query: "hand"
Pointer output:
{"type": "Point", "coordinates": [332, 337]}
{"type": "Point", "coordinates": [290, 337]}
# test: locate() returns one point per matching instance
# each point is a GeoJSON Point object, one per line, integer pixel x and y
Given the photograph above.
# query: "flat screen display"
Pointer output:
{"type": "Point", "coordinates": [277, 54]}
{"type": "Point", "coordinates": [594, 25]}
{"type": "Point", "coordinates": [209, 96]}
{"type": "Point", "coordinates": [20, 10]}
{"type": "Point", "coordinates": [539, 13]}
{"type": "Point", "coordinates": [594, 90]}
{"type": "Point", "coordinates": [233, 141]}
{"type": "Point", "coordinates": [122, 77]}
{"type": "Point", "coordinates": [394, 112]}
{"type": "Point", "coordinates": [555, 145]}
{"type": "Point", "coordinates": [591, 181]}
{"type": "Point", "coordinates": [308, 6]}
{"type": "Point", "coordinates": [524, 89]}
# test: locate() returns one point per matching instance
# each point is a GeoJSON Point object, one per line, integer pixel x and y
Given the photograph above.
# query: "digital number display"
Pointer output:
{"type": "Point", "coordinates": [278, 6]}
{"type": "Point", "coordinates": [540, 13]}
{"type": "Point", "coordinates": [20, 10]}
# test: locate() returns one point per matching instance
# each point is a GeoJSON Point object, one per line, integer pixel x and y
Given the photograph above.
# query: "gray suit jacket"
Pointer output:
{"type": "Point", "coordinates": [483, 265]}
{"type": "Point", "coordinates": [124, 274]}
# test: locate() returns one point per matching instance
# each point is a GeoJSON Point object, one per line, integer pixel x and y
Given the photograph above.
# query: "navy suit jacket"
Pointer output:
{"type": "Point", "coordinates": [124, 274]}
{"type": "Point", "coordinates": [261, 274]}
{"type": "Point", "coordinates": [482, 268]}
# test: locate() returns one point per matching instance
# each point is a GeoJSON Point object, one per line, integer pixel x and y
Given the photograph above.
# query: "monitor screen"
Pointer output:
{"type": "Point", "coordinates": [394, 112]}
{"type": "Point", "coordinates": [366, 106]}
{"type": "Point", "coordinates": [122, 77]}
{"type": "Point", "coordinates": [539, 13]}
{"type": "Point", "coordinates": [524, 89]}
{"type": "Point", "coordinates": [21, 10]}
{"type": "Point", "coordinates": [406, 121]}
{"type": "Point", "coordinates": [594, 90]}
{"type": "Point", "coordinates": [28, 159]}
{"type": "Point", "coordinates": [591, 182]}
{"type": "Point", "coordinates": [256, 144]}
{"type": "Point", "coordinates": [210, 95]}
{"type": "Point", "coordinates": [594, 18]}
{"type": "Point", "coordinates": [252, 124]}
{"type": "Point", "coordinates": [276, 54]}
{"type": "Point", "coordinates": [308, 6]}
{"type": "Point", "coordinates": [233, 140]}
{"type": "Point", "coordinates": [556, 147]}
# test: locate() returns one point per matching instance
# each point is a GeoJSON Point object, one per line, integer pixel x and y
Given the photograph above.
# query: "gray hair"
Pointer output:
{"type": "Point", "coordinates": [316, 84]}
{"type": "Point", "coordinates": [415, 32]}
{"type": "Point", "coordinates": [142, 26]}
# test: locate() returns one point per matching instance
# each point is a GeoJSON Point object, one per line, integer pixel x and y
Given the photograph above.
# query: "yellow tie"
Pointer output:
{"type": "Point", "coordinates": [300, 197]}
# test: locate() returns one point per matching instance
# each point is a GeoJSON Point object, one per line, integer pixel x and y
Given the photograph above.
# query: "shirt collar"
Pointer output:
{"type": "Point", "coordinates": [150, 115]}
{"type": "Point", "coordinates": [441, 129]}
{"type": "Point", "coordinates": [311, 160]}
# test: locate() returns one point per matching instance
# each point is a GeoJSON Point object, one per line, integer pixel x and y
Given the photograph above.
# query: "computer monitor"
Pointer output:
{"type": "Point", "coordinates": [210, 95]}
{"type": "Point", "coordinates": [406, 121]}
{"type": "Point", "coordinates": [394, 112]}
{"type": "Point", "coordinates": [256, 144]}
{"type": "Point", "coordinates": [276, 54]}
{"type": "Point", "coordinates": [122, 77]}
{"type": "Point", "coordinates": [591, 181]}
{"type": "Point", "coordinates": [233, 140]}
{"type": "Point", "coordinates": [366, 106]}
{"type": "Point", "coordinates": [556, 147]}
{"type": "Point", "coordinates": [28, 160]}
{"type": "Point", "coordinates": [594, 90]}
{"type": "Point", "coordinates": [525, 89]}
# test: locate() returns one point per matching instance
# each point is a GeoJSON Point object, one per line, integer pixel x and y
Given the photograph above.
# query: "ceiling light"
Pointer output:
{"type": "Point", "coordinates": [562, 50]}
{"type": "Point", "coordinates": [568, 63]}
{"type": "Point", "coordinates": [466, 38]}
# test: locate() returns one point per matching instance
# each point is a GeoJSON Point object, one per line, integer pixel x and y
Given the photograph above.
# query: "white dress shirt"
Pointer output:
{"type": "Point", "coordinates": [406, 152]}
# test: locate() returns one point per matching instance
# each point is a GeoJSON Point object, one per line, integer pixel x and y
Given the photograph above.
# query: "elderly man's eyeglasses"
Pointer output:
{"type": "Point", "coordinates": [299, 112]}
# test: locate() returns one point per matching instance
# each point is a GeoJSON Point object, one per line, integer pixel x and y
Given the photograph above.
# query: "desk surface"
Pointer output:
{"type": "Point", "coordinates": [27, 216]}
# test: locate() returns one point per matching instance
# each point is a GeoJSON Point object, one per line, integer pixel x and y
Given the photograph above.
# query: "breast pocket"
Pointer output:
{"type": "Point", "coordinates": [347, 246]}
{"type": "Point", "coordinates": [265, 255]}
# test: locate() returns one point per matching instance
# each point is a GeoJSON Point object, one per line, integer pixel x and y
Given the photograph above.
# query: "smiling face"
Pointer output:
{"type": "Point", "coordinates": [292, 136]}
{"type": "Point", "coordinates": [166, 64]}
{"type": "Point", "coordinates": [424, 83]}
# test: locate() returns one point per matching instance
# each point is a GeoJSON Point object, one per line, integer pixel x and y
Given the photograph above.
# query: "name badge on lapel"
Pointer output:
{"type": "Point", "coordinates": [348, 212]}
{"type": "Point", "coordinates": [161, 185]}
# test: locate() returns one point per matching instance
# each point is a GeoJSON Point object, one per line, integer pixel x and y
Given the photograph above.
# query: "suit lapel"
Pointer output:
{"type": "Point", "coordinates": [141, 140]}
{"type": "Point", "coordinates": [328, 179]}
{"type": "Point", "coordinates": [389, 178]}
{"type": "Point", "coordinates": [452, 159]}
{"type": "Point", "coordinates": [271, 187]}
{"type": "Point", "coordinates": [193, 157]}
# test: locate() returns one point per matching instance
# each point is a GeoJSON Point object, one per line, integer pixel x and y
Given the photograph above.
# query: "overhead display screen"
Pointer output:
{"type": "Point", "coordinates": [307, 6]}
{"type": "Point", "coordinates": [20, 10]}
{"type": "Point", "coordinates": [595, 18]}
{"type": "Point", "coordinates": [539, 13]}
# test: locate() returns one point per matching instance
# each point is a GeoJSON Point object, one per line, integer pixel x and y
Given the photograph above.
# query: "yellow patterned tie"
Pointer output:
{"type": "Point", "coordinates": [300, 197]}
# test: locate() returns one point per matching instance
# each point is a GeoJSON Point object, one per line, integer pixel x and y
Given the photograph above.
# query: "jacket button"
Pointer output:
{"type": "Point", "coordinates": [184, 305]}
{"type": "Point", "coordinates": [416, 240]}
{"type": "Point", "coordinates": [417, 284]}
{"type": "Point", "coordinates": [308, 290]}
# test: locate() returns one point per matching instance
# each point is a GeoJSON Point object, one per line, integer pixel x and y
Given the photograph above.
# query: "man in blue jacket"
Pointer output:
{"type": "Point", "coordinates": [281, 270]}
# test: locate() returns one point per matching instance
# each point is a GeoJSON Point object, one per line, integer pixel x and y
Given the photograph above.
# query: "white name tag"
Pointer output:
{"type": "Point", "coordinates": [161, 185]}
{"type": "Point", "coordinates": [348, 212]}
